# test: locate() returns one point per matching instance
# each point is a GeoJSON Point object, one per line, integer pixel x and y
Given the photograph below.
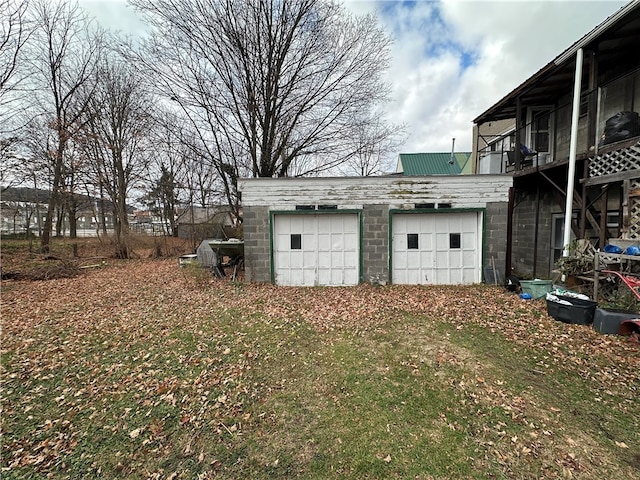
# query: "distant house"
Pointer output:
{"type": "Point", "coordinates": [23, 208]}
{"type": "Point", "coordinates": [148, 223]}
{"type": "Point", "coordinates": [205, 222]}
{"type": "Point", "coordinates": [418, 164]}
{"type": "Point", "coordinates": [528, 134]}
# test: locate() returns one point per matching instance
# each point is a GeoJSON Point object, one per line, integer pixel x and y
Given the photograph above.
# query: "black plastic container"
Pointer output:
{"type": "Point", "coordinates": [579, 312]}
{"type": "Point", "coordinates": [608, 321]}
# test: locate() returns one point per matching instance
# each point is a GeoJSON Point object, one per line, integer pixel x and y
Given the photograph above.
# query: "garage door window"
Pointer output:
{"type": "Point", "coordinates": [454, 240]}
{"type": "Point", "coordinates": [296, 241]}
{"type": "Point", "coordinates": [412, 241]}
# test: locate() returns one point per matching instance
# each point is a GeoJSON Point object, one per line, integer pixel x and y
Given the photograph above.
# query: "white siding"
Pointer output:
{"type": "Point", "coordinates": [461, 191]}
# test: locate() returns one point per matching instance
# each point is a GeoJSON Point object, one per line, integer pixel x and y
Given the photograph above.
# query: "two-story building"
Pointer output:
{"type": "Point", "coordinates": [570, 136]}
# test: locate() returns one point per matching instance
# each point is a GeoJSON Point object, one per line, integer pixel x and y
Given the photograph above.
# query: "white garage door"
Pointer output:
{"type": "Point", "coordinates": [442, 248]}
{"type": "Point", "coordinates": [313, 249]}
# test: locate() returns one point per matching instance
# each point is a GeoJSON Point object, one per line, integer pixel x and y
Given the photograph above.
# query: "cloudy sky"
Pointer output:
{"type": "Point", "coordinates": [452, 59]}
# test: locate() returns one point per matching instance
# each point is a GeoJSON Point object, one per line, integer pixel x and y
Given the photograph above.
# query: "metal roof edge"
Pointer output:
{"type": "Point", "coordinates": [594, 33]}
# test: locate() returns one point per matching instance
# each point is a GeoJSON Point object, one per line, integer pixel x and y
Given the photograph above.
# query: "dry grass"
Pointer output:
{"type": "Point", "coordinates": [140, 369]}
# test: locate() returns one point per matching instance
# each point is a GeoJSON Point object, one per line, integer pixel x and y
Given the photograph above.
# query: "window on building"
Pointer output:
{"type": "Point", "coordinates": [412, 241]}
{"type": "Point", "coordinates": [584, 106]}
{"type": "Point", "coordinates": [539, 125]}
{"type": "Point", "coordinates": [557, 236]}
{"type": "Point", "coordinates": [455, 240]}
{"type": "Point", "coordinates": [296, 241]}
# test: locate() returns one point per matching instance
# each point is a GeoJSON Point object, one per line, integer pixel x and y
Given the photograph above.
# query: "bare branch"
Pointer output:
{"type": "Point", "coordinates": [265, 84]}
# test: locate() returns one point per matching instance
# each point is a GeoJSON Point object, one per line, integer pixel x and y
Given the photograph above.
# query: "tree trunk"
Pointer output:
{"type": "Point", "coordinates": [60, 230]}
{"type": "Point", "coordinates": [103, 213]}
{"type": "Point", "coordinates": [45, 240]}
{"type": "Point", "coordinates": [73, 217]}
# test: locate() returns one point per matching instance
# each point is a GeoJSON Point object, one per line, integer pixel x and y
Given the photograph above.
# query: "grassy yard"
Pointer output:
{"type": "Point", "coordinates": [140, 369]}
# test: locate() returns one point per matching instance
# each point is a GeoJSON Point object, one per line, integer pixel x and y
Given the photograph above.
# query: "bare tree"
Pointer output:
{"type": "Point", "coordinates": [118, 123]}
{"type": "Point", "coordinates": [9, 162]}
{"type": "Point", "coordinates": [266, 82]}
{"type": "Point", "coordinates": [64, 57]}
{"type": "Point", "coordinates": [168, 171]}
{"type": "Point", "coordinates": [375, 143]}
{"type": "Point", "coordinates": [15, 31]}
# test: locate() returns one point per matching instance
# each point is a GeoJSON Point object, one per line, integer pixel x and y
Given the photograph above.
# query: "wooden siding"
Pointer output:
{"type": "Point", "coordinates": [470, 191]}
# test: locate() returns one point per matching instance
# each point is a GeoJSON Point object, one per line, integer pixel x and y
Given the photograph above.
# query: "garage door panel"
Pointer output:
{"type": "Point", "coordinates": [442, 242]}
{"type": "Point", "coordinates": [426, 241]}
{"type": "Point", "coordinates": [285, 260]}
{"type": "Point", "coordinates": [402, 260]}
{"type": "Point", "coordinates": [328, 253]}
{"type": "Point", "coordinates": [426, 259]}
{"type": "Point", "coordinates": [308, 260]}
{"type": "Point", "coordinates": [469, 276]}
{"type": "Point", "coordinates": [338, 241]}
{"type": "Point", "coordinates": [455, 276]}
{"type": "Point", "coordinates": [324, 242]}
{"type": "Point", "coordinates": [455, 260]}
{"type": "Point", "coordinates": [469, 240]}
{"type": "Point", "coordinates": [351, 277]}
{"type": "Point", "coordinates": [469, 258]}
{"type": "Point", "coordinates": [309, 241]}
{"type": "Point", "coordinates": [448, 248]}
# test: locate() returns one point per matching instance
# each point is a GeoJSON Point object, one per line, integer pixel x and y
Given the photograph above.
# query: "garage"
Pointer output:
{"type": "Point", "coordinates": [316, 248]}
{"type": "Point", "coordinates": [443, 248]}
{"type": "Point", "coordinates": [381, 229]}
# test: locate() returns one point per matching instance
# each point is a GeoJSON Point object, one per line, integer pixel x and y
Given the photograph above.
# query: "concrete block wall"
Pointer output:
{"type": "Point", "coordinates": [257, 245]}
{"type": "Point", "coordinates": [524, 236]}
{"type": "Point", "coordinates": [495, 240]}
{"type": "Point", "coordinates": [375, 244]}
{"type": "Point", "coordinates": [375, 241]}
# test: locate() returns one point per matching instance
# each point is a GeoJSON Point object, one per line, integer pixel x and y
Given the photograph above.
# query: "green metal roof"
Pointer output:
{"type": "Point", "coordinates": [434, 163]}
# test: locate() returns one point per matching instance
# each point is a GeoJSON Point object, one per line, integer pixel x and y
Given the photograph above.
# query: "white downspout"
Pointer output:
{"type": "Point", "coordinates": [575, 115]}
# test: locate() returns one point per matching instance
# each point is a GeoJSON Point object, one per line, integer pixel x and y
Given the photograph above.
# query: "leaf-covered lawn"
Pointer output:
{"type": "Point", "coordinates": [145, 370]}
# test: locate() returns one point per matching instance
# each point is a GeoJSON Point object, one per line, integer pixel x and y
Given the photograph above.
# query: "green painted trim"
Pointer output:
{"type": "Point", "coordinates": [484, 245]}
{"type": "Point", "coordinates": [272, 272]}
{"type": "Point", "coordinates": [440, 211]}
{"type": "Point", "coordinates": [360, 261]}
{"type": "Point", "coordinates": [350, 211]}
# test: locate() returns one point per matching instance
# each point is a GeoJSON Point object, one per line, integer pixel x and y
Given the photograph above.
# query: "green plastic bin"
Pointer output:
{"type": "Point", "coordinates": [536, 288]}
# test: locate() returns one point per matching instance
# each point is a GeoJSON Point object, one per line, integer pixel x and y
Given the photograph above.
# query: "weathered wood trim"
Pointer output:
{"type": "Point", "coordinates": [461, 191]}
{"type": "Point", "coordinates": [613, 177]}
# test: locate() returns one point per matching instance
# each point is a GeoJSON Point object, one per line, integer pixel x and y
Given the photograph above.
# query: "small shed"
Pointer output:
{"type": "Point", "coordinates": [347, 230]}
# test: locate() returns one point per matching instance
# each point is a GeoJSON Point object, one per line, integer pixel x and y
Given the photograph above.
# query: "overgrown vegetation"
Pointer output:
{"type": "Point", "coordinates": [143, 370]}
{"type": "Point", "coordinates": [67, 258]}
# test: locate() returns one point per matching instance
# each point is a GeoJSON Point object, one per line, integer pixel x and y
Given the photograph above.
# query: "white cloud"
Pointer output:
{"type": "Point", "coordinates": [508, 41]}
{"type": "Point", "coordinates": [115, 15]}
{"type": "Point", "coordinates": [434, 94]}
